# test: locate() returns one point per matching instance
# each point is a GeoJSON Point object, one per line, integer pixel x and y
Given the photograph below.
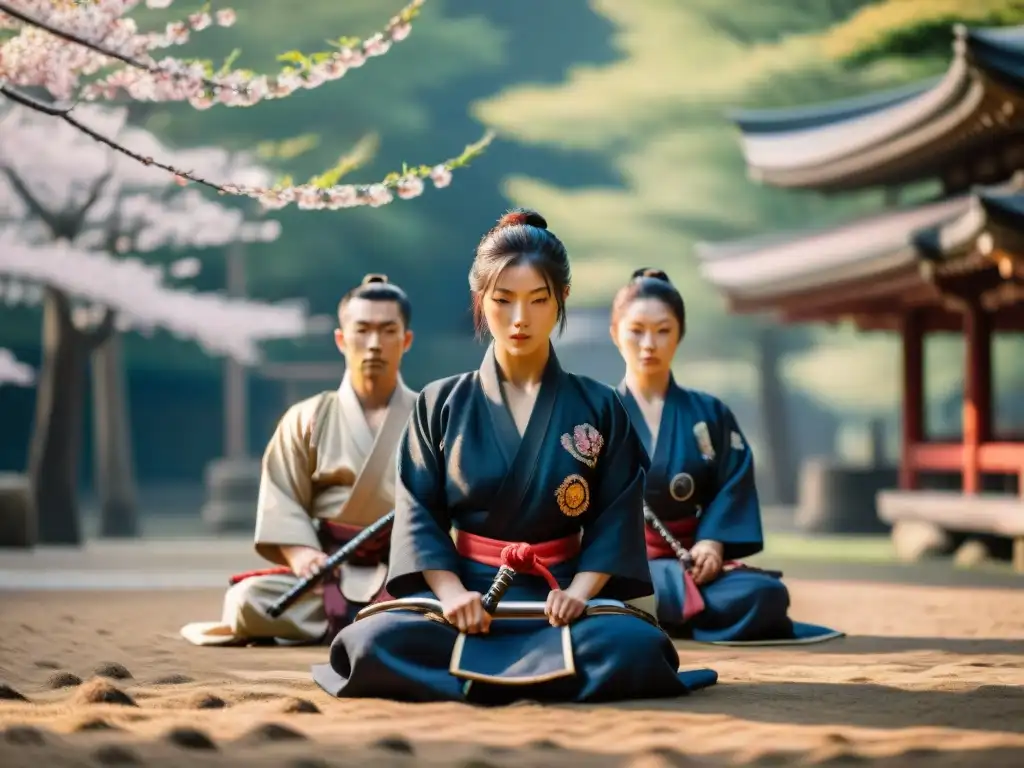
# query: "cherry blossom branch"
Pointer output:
{"type": "Point", "coordinates": [321, 193]}
{"type": "Point", "coordinates": [64, 114]}
{"type": "Point", "coordinates": [103, 50]}
{"type": "Point", "coordinates": [306, 71]}
{"type": "Point", "coordinates": [318, 194]}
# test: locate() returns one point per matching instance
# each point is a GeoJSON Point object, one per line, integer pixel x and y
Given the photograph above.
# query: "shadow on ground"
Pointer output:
{"type": "Point", "coordinates": [27, 747]}
{"type": "Point", "coordinates": [994, 708]}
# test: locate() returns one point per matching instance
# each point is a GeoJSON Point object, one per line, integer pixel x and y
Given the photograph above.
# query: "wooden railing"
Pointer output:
{"type": "Point", "coordinates": [997, 458]}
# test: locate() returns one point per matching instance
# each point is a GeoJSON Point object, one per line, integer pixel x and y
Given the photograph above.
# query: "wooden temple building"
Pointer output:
{"type": "Point", "coordinates": [952, 264]}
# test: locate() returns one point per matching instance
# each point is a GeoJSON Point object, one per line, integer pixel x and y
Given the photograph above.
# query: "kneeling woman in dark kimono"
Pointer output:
{"type": "Point", "coordinates": [701, 502]}
{"type": "Point", "coordinates": [537, 471]}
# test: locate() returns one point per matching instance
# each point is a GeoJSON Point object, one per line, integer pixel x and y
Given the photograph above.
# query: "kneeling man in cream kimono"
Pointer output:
{"type": "Point", "coordinates": [328, 472]}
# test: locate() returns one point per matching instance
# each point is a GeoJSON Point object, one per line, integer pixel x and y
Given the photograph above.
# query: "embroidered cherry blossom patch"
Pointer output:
{"type": "Point", "coordinates": [584, 444]}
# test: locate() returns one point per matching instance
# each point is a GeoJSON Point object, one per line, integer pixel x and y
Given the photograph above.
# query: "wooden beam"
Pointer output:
{"type": "Point", "coordinates": [1009, 318]}
{"type": "Point", "coordinates": [996, 458]}
{"type": "Point", "coordinates": [977, 406]}
{"type": "Point", "coordinates": [1001, 458]}
{"type": "Point", "coordinates": [892, 308]}
{"type": "Point", "coordinates": [913, 432]}
{"type": "Point", "coordinates": [970, 285]}
{"type": "Point", "coordinates": [933, 319]}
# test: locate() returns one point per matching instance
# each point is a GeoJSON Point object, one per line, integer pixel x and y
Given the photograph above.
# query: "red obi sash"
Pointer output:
{"type": "Point", "coordinates": [685, 530]}
{"type": "Point", "coordinates": [332, 535]}
{"type": "Point", "coordinates": [519, 556]}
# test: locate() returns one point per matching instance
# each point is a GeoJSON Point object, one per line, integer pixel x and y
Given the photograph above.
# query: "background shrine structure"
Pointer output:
{"type": "Point", "coordinates": [951, 263]}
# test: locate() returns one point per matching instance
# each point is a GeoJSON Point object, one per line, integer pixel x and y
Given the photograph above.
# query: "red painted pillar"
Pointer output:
{"type": "Point", "coordinates": [977, 413]}
{"type": "Point", "coordinates": [912, 335]}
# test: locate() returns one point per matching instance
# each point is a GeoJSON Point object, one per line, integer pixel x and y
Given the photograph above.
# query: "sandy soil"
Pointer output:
{"type": "Point", "coordinates": [930, 676]}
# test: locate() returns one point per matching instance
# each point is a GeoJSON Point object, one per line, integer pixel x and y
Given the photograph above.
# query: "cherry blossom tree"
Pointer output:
{"type": "Point", "coordinates": [92, 50]}
{"type": "Point", "coordinates": [82, 213]}
{"type": "Point", "coordinates": [13, 371]}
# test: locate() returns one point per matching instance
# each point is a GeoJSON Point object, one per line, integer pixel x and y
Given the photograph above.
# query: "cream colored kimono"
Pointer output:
{"type": "Point", "coordinates": [309, 468]}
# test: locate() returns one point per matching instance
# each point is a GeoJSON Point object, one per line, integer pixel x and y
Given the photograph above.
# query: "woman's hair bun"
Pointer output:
{"type": "Point", "coordinates": [521, 216]}
{"type": "Point", "coordinates": [374, 277]}
{"type": "Point", "coordinates": [655, 274]}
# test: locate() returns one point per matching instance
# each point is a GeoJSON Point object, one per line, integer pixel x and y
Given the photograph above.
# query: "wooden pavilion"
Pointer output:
{"type": "Point", "coordinates": [954, 264]}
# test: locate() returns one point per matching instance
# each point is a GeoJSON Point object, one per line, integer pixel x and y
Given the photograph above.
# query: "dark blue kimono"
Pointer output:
{"type": "Point", "coordinates": [578, 468]}
{"type": "Point", "coordinates": [702, 473]}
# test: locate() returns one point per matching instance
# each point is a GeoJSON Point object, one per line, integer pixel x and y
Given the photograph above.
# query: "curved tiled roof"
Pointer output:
{"type": "Point", "coordinates": [898, 135]}
{"type": "Point", "coordinates": [766, 270]}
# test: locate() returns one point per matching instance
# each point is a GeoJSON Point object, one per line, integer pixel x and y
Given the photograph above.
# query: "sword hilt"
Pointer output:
{"type": "Point", "coordinates": [304, 585]}
{"type": "Point", "coordinates": [502, 581]}
{"type": "Point", "coordinates": [681, 552]}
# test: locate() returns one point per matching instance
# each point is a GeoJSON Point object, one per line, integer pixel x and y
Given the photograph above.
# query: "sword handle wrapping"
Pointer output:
{"type": "Point", "coordinates": [680, 551]}
{"type": "Point", "coordinates": [502, 581]}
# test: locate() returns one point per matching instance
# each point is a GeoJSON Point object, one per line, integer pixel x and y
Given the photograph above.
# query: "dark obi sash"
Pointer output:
{"type": "Point", "coordinates": [366, 566]}
{"type": "Point", "coordinates": [515, 651]}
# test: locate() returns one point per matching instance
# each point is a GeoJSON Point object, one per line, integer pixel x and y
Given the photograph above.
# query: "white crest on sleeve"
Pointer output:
{"type": "Point", "coordinates": [700, 431]}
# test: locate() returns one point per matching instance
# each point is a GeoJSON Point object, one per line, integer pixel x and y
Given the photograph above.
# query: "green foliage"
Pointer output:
{"type": "Point", "coordinates": [913, 29]}
{"type": "Point", "coordinates": [657, 115]}
{"type": "Point", "coordinates": [470, 153]}
{"type": "Point", "coordinates": [286, 149]}
{"type": "Point", "coordinates": [357, 157]}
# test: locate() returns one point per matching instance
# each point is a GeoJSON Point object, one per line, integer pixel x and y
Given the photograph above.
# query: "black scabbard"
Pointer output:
{"type": "Point", "coordinates": [343, 554]}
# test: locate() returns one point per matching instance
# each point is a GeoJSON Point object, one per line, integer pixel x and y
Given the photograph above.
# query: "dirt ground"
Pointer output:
{"type": "Point", "coordinates": [929, 676]}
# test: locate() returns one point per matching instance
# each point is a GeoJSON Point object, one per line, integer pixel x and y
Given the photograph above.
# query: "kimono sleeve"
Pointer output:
{"type": "Point", "coordinates": [733, 516]}
{"type": "Point", "coordinates": [286, 486]}
{"type": "Point", "coordinates": [613, 531]}
{"type": "Point", "coordinates": [421, 536]}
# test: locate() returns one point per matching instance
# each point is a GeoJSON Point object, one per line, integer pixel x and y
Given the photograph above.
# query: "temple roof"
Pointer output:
{"type": "Point", "coordinates": [762, 268]}
{"type": "Point", "coordinates": [1001, 207]}
{"type": "Point", "coordinates": [767, 272]}
{"type": "Point", "coordinates": [899, 135]}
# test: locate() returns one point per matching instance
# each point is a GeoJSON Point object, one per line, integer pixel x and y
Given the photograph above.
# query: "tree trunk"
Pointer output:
{"type": "Point", "coordinates": [114, 471]}
{"type": "Point", "coordinates": [781, 473]}
{"type": "Point", "coordinates": [57, 432]}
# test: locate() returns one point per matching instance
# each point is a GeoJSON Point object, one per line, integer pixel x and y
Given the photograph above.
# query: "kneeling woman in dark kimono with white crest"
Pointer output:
{"type": "Point", "coordinates": [536, 470]}
{"type": "Point", "coordinates": [701, 501]}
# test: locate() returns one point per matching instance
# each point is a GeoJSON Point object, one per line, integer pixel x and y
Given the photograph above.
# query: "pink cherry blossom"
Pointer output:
{"type": "Point", "coordinates": [225, 17]}
{"type": "Point", "coordinates": [137, 209]}
{"type": "Point", "coordinates": [409, 187]}
{"type": "Point", "coordinates": [93, 51]}
{"type": "Point", "coordinates": [13, 371]}
{"type": "Point", "coordinates": [441, 175]}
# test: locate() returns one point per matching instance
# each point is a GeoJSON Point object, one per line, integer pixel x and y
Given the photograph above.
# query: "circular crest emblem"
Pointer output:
{"type": "Point", "coordinates": [682, 486]}
{"type": "Point", "coordinates": [573, 496]}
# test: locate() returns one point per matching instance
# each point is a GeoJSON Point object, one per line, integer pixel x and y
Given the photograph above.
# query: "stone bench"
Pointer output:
{"type": "Point", "coordinates": [998, 514]}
